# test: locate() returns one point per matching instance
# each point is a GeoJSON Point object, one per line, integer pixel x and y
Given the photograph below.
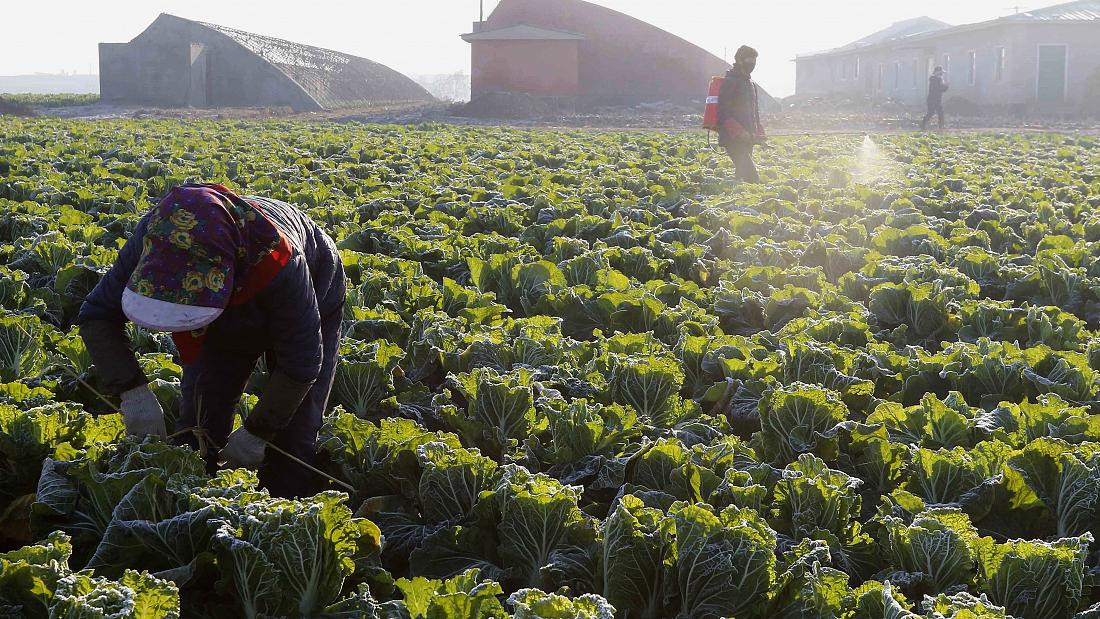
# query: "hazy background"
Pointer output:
{"type": "Point", "coordinates": [420, 37]}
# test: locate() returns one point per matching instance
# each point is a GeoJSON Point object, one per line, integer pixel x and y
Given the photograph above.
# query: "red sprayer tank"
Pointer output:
{"type": "Point", "coordinates": [710, 112]}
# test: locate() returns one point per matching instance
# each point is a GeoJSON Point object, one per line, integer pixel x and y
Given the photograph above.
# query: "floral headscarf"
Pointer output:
{"type": "Point", "coordinates": [205, 246]}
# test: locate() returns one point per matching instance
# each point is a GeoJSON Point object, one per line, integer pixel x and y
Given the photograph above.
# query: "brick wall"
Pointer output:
{"type": "Point", "coordinates": [534, 67]}
{"type": "Point", "coordinates": [622, 59]}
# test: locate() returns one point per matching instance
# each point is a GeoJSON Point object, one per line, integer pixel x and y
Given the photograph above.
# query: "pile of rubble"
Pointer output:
{"type": "Point", "coordinates": [10, 108]}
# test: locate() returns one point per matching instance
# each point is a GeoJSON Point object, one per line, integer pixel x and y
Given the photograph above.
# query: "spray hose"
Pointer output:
{"type": "Point", "coordinates": [788, 134]}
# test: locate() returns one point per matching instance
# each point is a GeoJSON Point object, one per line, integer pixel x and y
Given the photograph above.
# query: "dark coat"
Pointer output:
{"type": "Point", "coordinates": [284, 318]}
{"type": "Point", "coordinates": [738, 106]}
{"type": "Point", "coordinates": [936, 88]}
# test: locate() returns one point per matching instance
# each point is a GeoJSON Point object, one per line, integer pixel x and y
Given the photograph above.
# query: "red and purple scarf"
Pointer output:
{"type": "Point", "coordinates": [206, 246]}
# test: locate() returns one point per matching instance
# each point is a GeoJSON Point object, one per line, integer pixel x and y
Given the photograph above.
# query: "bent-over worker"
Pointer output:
{"type": "Point", "coordinates": [739, 114]}
{"type": "Point", "coordinates": [231, 278]}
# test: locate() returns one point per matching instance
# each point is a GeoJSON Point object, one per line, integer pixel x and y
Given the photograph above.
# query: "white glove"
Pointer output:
{"type": "Point", "coordinates": [243, 450]}
{"type": "Point", "coordinates": [142, 413]}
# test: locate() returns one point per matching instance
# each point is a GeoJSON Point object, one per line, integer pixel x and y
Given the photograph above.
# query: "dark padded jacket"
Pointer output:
{"type": "Point", "coordinates": [283, 318]}
{"type": "Point", "coordinates": [936, 88]}
{"type": "Point", "coordinates": [739, 102]}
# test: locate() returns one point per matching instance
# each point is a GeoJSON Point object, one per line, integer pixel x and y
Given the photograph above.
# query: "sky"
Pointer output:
{"type": "Point", "coordinates": [419, 37]}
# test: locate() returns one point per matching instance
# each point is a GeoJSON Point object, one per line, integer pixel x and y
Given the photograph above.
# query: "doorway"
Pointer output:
{"type": "Point", "coordinates": [1050, 79]}
{"type": "Point", "coordinates": [198, 91]}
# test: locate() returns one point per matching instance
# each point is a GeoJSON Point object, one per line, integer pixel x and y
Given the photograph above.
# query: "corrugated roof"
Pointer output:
{"type": "Point", "coordinates": [332, 78]}
{"type": "Point", "coordinates": [522, 32]}
{"type": "Point", "coordinates": [1082, 10]}
{"type": "Point", "coordinates": [283, 52]}
{"type": "Point", "coordinates": [898, 30]}
{"type": "Point", "coordinates": [917, 25]}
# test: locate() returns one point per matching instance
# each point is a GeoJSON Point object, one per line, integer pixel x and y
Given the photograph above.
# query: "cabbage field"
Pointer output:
{"type": "Point", "coordinates": [585, 375]}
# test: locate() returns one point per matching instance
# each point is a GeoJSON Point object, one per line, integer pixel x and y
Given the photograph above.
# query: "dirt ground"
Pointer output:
{"type": "Point", "coordinates": [14, 109]}
{"type": "Point", "coordinates": [104, 110]}
{"type": "Point", "coordinates": [663, 117]}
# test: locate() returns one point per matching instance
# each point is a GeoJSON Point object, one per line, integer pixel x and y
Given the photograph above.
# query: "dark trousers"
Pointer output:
{"type": "Point", "coordinates": [741, 155]}
{"type": "Point", "coordinates": [212, 388]}
{"type": "Point", "coordinates": [935, 108]}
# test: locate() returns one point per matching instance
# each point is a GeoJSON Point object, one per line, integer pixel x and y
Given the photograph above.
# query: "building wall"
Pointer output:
{"type": "Point", "coordinates": [1013, 89]}
{"type": "Point", "coordinates": [235, 77]}
{"type": "Point", "coordinates": [847, 74]}
{"type": "Point", "coordinates": [156, 68]}
{"type": "Point", "coordinates": [146, 75]}
{"type": "Point", "coordinates": [178, 62]}
{"type": "Point", "coordinates": [622, 59]}
{"type": "Point", "coordinates": [899, 74]}
{"type": "Point", "coordinates": [1083, 42]}
{"type": "Point", "coordinates": [969, 60]}
{"type": "Point", "coordinates": [534, 67]}
{"type": "Point", "coordinates": [1017, 89]}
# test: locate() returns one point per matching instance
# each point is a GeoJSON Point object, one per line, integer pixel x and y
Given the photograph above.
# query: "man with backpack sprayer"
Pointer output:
{"type": "Point", "coordinates": [739, 128]}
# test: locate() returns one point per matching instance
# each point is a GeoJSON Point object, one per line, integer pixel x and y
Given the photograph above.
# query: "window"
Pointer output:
{"type": "Point", "coordinates": [844, 69]}
{"type": "Point", "coordinates": [881, 77]}
{"type": "Point", "coordinates": [971, 67]}
{"type": "Point", "coordinates": [897, 75]}
{"type": "Point", "coordinates": [915, 82]}
{"type": "Point", "coordinates": [857, 68]}
{"type": "Point", "coordinates": [999, 67]}
{"type": "Point", "coordinates": [947, 64]}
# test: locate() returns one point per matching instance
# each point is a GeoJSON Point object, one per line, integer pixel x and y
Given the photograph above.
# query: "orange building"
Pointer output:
{"type": "Point", "coordinates": [524, 59]}
{"type": "Point", "coordinates": [573, 48]}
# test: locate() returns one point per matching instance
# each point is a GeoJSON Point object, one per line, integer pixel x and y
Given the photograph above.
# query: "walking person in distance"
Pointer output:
{"type": "Point", "coordinates": [937, 85]}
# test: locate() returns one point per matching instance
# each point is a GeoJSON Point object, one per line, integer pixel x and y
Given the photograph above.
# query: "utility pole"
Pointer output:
{"type": "Point", "coordinates": [481, 10]}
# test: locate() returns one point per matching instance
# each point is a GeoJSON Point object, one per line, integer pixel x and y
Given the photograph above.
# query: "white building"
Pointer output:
{"type": "Point", "coordinates": [1047, 60]}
